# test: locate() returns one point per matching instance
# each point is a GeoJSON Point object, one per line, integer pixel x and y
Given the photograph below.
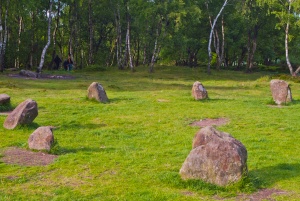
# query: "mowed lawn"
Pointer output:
{"type": "Point", "coordinates": [132, 148]}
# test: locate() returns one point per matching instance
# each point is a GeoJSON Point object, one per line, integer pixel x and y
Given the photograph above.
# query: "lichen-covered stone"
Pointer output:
{"type": "Point", "coordinates": [41, 139]}
{"type": "Point", "coordinates": [97, 92]}
{"type": "Point", "coordinates": [23, 114]}
{"type": "Point", "coordinates": [281, 91]}
{"type": "Point", "coordinates": [216, 158]}
{"type": "Point", "coordinates": [198, 91]}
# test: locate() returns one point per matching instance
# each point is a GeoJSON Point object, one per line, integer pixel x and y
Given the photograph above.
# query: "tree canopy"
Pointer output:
{"type": "Point", "coordinates": [129, 33]}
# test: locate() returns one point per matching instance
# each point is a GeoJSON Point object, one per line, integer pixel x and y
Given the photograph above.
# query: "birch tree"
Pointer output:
{"type": "Point", "coordinates": [211, 35]}
{"type": "Point", "coordinates": [287, 12]}
{"type": "Point", "coordinates": [49, 15]}
{"type": "Point", "coordinates": [3, 34]}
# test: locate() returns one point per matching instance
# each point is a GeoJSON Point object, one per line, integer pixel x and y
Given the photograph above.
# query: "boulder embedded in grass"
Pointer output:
{"type": "Point", "coordinates": [4, 99]}
{"type": "Point", "coordinates": [281, 91]}
{"type": "Point", "coordinates": [216, 158]}
{"type": "Point", "coordinates": [198, 91]}
{"type": "Point", "coordinates": [41, 139]}
{"type": "Point", "coordinates": [23, 114]}
{"type": "Point", "coordinates": [97, 92]}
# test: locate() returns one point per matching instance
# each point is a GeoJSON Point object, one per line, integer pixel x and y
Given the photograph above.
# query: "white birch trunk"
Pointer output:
{"type": "Point", "coordinates": [17, 61]}
{"type": "Point", "coordinates": [151, 69]}
{"type": "Point", "coordinates": [287, 41]}
{"type": "Point", "coordinates": [39, 70]}
{"type": "Point", "coordinates": [223, 43]}
{"type": "Point", "coordinates": [128, 41]}
{"type": "Point", "coordinates": [210, 36]}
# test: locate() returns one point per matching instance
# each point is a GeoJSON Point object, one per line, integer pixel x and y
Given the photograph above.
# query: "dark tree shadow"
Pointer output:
{"type": "Point", "coordinates": [67, 150]}
{"type": "Point", "coordinates": [267, 176]}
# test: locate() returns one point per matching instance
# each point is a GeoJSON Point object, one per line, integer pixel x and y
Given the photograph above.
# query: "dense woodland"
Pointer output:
{"type": "Point", "coordinates": [128, 33]}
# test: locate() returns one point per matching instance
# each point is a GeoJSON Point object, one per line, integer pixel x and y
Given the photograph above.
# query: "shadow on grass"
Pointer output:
{"type": "Point", "coordinates": [120, 99]}
{"type": "Point", "coordinates": [76, 126]}
{"type": "Point", "coordinates": [65, 150]}
{"type": "Point", "coordinates": [173, 179]}
{"type": "Point", "coordinates": [294, 102]}
{"type": "Point", "coordinates": [267, 176]}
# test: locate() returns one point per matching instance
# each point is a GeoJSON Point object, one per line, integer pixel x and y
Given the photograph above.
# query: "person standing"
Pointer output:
{"type": "Point", "coordinates": [68, 64]}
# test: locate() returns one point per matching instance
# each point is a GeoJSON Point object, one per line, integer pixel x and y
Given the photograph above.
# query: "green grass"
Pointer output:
{"type": "Point", "coordinates": [133, 147]}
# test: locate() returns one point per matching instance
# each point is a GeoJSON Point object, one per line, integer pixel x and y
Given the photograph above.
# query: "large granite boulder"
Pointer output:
{"type": "Point", "coordinates": [41, 139]}
{"type": "Point", "coordinates": [97, 92]}
{"type": "Point", "coordinates": [281, 91]}
{"type": "Point", "coordinates": [23, 114]}
{"type": "Point", "coordinates": [216, 158]}
{"type": "Point", "coordinates": [4, 99]}
{"type": "Point", "coordinates": [198, 91]}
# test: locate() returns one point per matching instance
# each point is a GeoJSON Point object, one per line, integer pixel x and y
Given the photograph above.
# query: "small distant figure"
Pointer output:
{"type": "Point", "coordinates": [68, 64]}
{"type": "Point", "coordinates": [57, 62]}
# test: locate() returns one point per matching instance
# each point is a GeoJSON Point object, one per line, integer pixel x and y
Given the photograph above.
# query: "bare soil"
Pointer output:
{"type": "Point", "coordinates": [261, 195]}
{"type": "Point", "coordinates": [43, 76]}
{"type": "Point", "coordinates": [18, 156]}
{"type": "Point", "coordinates": [210, 122]}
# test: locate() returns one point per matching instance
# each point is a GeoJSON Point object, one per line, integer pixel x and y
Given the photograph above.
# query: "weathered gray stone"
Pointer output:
{"type": "Point", "coordinates": [96, 91]}
{"type": "Point", "coordinates": [23, 114]}
{"type": "Point", "coordinates": [216, 158]}
{"type": "Point", "coordinates": [4, 99]}
{"type": "Point", "coordinates": [198, 91]}
{"type": "Point", "coordinates": [28, 73]}
{"type": "Point", "coordinates": [41, 139]}
{"type": "Point", "coordinates": [281, 91]}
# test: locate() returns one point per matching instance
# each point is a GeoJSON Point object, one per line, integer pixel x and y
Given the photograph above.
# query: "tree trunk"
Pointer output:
{"type": "Point", "coordinates": [17, 61]}
{"type": "Point", "coordinates": [32, 40]}
{"type": "Point", "coordinates": [39, 70]}
{"type": "Point", "coordinates": [138, 52]}
{"type": "Point", "coordinates": [210, 36]}
{"type": "Point", "coordinates": [119, 39]}
{"type": "Point", "coordinates": [287, 41]}
{"type": "Point", "coordinates": [221, 60]}
{"type": "Point", "coordinates": [4, 35]}
{"type": "Point", "coordinates": [54, 37]}
{"type": "Point", "coordinates": [91, 33]}
{"type": "Point", "coordinates": [128, 41]}
{"type": "Point", "coordinates": [252, 44]}
{"type": "Point", "coordinates": [153, 58]}
{"type": "Point", "coordinates": [241, 58]}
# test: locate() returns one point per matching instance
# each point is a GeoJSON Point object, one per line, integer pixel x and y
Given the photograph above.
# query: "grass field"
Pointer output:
{"type": "Point", "coordinates": [133, 147]}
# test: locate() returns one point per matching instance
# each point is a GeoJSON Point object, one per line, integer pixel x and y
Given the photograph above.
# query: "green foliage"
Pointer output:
{"type": "Point", "coordinates": [95, 68]}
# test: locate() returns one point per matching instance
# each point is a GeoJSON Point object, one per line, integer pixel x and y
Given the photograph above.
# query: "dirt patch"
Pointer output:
{"type": "Point", "coordinates": [17, 156]}
{"type": "Point", "coordinates": [210, 122]}
{"type": "Point", "coordinates": [44, 76]}
{"type": "Point", "coordinates": [263, 194]}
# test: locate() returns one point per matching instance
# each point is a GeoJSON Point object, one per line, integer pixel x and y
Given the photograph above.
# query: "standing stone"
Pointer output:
{"type": "Point", "coordinates": [41, 139]}
{"type": "Point", "coordinates": [4, 99]}
{"type": "Point", "coordinates": [25, 113]}
{"type": "Point", "coordinates": [281, 91]}
{"type": "Point", "coordinates": [96, 91]}
{"type": "Point", "coordinates": [216, 158]}
{"type": "Point", "coordinates": [198, 91]}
